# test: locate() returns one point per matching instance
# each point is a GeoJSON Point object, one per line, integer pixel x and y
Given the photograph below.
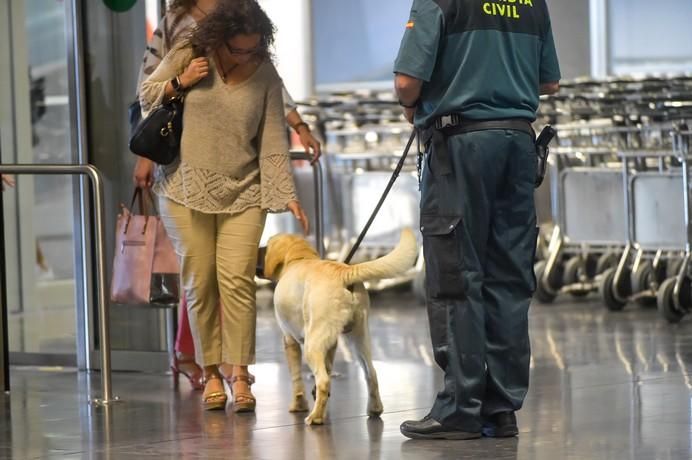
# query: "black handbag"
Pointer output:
{"type": "Point", "coordinates": [134, 115]}
{"type": "Point", "coordinates": [157, 137]}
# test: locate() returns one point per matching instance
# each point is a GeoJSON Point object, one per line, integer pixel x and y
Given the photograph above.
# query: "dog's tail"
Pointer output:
{"type": "Point", "coordinates": [395, 263]}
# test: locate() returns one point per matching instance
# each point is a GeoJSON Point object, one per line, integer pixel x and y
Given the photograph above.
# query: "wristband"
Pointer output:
{"type": "Point", "coordinates": [298, 125]}
{"type": "Point", "coordinates": [412, 106]}
{"type": "Point", "coordinates": [177, 85]}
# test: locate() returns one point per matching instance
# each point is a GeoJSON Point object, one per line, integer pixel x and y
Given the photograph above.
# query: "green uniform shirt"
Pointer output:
{"type": "Point", "coordinates": [483, 59]}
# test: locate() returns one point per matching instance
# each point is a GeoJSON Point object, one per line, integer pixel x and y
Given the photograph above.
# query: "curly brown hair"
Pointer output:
{"type": "Point", "coordinates": [229, 19]}
{"type": "Point", "coordinates": [181, 6]}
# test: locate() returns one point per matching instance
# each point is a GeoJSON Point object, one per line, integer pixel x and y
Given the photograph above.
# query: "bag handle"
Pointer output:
{"type": "Point", "coordinates": [138, 197]}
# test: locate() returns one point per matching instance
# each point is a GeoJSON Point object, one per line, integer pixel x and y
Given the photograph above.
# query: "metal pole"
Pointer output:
{"type": "Point", "coordinates": [319, 211]}
{"type": "Point", "coordinates": [99, 220]}
{"type": "Point", "coordinates": [76, 62]}
{"type": "Point", "coordinates": [681, 146]}
{"type": "Point", "coordinates": [4, 341]}
{"type": "Point", "coordinates": [319, 198]}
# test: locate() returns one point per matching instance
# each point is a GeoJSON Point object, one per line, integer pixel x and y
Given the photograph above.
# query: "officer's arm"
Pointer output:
{"type": "Point", "coordinates": [550, 88]}
{"type": "Point", "coordinates": [407, 89]}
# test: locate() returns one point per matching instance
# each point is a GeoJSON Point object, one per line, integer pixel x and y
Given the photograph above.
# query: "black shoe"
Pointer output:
{"type": "Point", "coordinates": [429, 428]}
{"type": "Point", "coordinates": [502, 425]}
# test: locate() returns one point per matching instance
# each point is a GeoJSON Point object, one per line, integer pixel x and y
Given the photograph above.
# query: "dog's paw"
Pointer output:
{"type": "Point", "coordinates": [314, 419]}
{"type": "Point", "coordinates": [375, 409]}
{"type": "Point", "coordinates": [299, 404]}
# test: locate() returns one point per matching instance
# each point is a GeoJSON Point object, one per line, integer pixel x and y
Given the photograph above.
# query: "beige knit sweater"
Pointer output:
{"type": "Point", "coordinates": [234, 152]}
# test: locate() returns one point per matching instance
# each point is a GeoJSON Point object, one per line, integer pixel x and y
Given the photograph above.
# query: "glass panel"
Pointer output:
{"type": "Point", "coordinates": [42, 316]}
{"type": "Point", "coordinates": [367, 44]}
{"type": "Point", "coordinates": [633, 26]}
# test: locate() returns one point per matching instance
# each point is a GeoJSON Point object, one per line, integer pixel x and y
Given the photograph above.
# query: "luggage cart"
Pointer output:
{"type": "Point", "coordinates": [596, 119]}
{"type": "Point", "coordinates": [674, 297]}
{"type": "Point", "coordinates": [365, 134]}
{"type": "Point", "coordinates": [655, 230]}
{"type": "Point", "coordinates": [586, 240]}
{"type": "Point", "coordinates": [363, 177]}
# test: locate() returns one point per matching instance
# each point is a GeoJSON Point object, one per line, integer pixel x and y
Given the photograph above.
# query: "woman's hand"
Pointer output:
{"type": "Point", "coordinates": [309, 142]}
{"type": "Point", "coordinates": [144, 173]}
{"type": "Point", "coordinates": [196, 71]}
{"type": "Point", "coordinates": [299, 213]}
{"type": "Point", "coordinates": [6, 181]}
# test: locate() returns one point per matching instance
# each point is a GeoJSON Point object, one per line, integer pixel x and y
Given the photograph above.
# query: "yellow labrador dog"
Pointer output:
{"type": "Point", "coordinates": [317, 300]}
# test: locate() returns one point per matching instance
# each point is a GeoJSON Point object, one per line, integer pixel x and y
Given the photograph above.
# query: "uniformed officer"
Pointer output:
{"type": "Point", "coordinates": [469, 73]}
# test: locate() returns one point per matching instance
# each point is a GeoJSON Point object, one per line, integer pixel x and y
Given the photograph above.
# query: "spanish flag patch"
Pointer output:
{"type": "Point", "coordinates": [409, 25]}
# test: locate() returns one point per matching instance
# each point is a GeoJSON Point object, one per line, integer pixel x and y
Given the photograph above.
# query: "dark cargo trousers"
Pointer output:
{"type": "Point", "coordinates": [479, 236]}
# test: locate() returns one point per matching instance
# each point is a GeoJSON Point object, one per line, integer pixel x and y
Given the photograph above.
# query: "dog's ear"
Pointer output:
{"type": "Point", "coordinates": [274, 258]}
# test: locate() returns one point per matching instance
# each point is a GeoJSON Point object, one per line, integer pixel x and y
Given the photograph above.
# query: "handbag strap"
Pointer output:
{"type": "Point", "coordinates": [138, 197]}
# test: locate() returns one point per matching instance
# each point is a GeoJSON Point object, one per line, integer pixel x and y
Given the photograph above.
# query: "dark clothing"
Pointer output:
{"type": "Point", "coordinates": [479, 236]}
{"type": "Point", "coordinates": [482, 66]}
{"type": "Point", "coordinates": [479, 60]}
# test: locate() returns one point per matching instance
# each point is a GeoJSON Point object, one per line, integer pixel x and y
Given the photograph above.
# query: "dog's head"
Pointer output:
{"type": "Point", "coordinates": [282, 250]}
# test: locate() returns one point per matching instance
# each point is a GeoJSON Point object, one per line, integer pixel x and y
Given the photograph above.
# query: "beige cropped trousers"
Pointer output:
{"type": "Point", "coordinates": [218, 257]}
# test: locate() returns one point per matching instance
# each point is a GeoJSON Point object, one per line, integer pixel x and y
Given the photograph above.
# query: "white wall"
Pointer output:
{"type": "Point", "coordinates": [293, 44]}
{"type": "Point", "coordinates": [571, 27]}
{"type": "Point", "coordinates": [357, 40]}
{"type": "Point", "coordinates": [648, 36]}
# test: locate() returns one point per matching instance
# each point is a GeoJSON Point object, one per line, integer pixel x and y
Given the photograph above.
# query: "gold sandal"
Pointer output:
{"type": "Point", "coordinates": [215, 400]}
{"type": "Point", "coordinates": [243, 402]}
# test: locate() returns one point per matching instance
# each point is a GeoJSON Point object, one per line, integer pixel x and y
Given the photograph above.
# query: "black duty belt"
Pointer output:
{"type": "Point", "coordinates": [453, 125]}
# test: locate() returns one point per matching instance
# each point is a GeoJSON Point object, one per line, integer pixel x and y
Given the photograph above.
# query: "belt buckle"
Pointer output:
{"type": "Point", "coordinates": [445, 121]}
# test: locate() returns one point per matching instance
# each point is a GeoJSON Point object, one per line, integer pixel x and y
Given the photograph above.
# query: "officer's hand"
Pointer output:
{"type": "Point", "coordinates": [409, 113]}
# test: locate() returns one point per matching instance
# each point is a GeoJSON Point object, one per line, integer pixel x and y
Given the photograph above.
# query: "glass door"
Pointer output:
{"type": "Point", "coordinates": [36, 127]}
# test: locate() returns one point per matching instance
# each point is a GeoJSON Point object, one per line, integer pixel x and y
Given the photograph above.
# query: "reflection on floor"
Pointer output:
{"type": "Point", "coordinates": [604, 386]}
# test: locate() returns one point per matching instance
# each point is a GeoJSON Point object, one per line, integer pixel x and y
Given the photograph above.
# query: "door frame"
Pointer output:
{"type": "Point", "coordinates": [16, 145]}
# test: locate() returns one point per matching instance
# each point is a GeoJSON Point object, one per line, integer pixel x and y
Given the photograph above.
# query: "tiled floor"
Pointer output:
{"type": "Point", "coordinates": [604, 386]}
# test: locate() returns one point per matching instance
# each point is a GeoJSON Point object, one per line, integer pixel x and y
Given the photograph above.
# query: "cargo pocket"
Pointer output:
{"type": "Point", "coordinates": [443, 256]}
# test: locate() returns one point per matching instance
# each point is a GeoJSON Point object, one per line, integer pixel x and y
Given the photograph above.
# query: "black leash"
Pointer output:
{"type": "Point", "coordinates": [395, 175]}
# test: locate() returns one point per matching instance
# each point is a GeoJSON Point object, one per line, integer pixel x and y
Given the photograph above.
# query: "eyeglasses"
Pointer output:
{"type": "Point", "coordinates": [243, 51]}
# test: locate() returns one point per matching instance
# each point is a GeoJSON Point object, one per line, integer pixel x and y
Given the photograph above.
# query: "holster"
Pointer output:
{"type": "Point", "coordinates": [542, 152]}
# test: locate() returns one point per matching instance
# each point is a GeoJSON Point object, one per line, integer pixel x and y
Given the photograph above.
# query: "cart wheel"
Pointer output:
{"type": "Point", "coordinates": [572, 274]}
{"type": "Point", "coordinates": [665, 303]}
{"type": "Point", "coordinates": [541, 294]}
{"type": "Point", "coordinates": [418, 286]}
{"type": "Point", "coordinates": [641, 281]}
{"type": "Point", "coordinates": [660, 272]}
{"type": "Point", "coordinates": [673, 268]}
{"type": "Point", "coordinates": [605, 289]}
{"type": "Point", "coordinates": [606, 261]}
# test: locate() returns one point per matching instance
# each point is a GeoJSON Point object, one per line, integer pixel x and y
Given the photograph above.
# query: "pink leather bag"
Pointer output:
{"type": "Point", "coordinates": [145, 267]}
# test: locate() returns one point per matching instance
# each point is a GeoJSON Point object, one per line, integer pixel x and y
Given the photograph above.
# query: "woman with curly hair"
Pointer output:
{"type": "Point", "coordinates": [180, 19]}
{"type": "Point", "coordinates": [233, 169]}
